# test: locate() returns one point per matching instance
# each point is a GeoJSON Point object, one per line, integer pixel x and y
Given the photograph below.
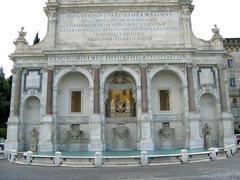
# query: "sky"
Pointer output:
{"type": "Point", "coordinates": [15, 14]}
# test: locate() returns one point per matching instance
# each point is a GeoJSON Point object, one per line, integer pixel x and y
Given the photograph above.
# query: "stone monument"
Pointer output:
{"type": "Point", "coordinates": [120, 69]}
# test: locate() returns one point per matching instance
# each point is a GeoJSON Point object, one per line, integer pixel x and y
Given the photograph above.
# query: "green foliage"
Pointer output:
{"type": "Point", "coordinates": [3, 133]}
{"type": "Point", "coordinates": [5, 96]}
{"type": "Point", "coordinates": [236, 131]}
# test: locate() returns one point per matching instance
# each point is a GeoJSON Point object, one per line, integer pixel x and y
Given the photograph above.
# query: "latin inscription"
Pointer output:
{"type": "Point", "coordinates": [119, 27]}
{"type": "Point", "coordinates": [115, 59]}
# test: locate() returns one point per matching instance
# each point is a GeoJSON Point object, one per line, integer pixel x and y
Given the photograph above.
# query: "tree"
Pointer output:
{"type": "Point", "coordinates": [5, 96]}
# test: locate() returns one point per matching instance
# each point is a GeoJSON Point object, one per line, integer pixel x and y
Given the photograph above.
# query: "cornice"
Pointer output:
{"type": "Point", "coordinates": [57, 52]}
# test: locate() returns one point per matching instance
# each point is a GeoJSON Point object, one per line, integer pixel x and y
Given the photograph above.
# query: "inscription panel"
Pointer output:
{"type": "Point", "coordinates": [86, 59]}
{"type": "Point", "coordinates": [118, 27]}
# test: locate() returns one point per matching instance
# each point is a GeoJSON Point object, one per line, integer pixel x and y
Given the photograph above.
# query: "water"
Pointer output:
{"type": "Point", "coordinates": [122, 153]}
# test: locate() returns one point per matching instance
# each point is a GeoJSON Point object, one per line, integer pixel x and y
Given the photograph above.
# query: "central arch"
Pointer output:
{"type": "Point", "coordinates": [120, 95]}
{"type": "Point", "coordinates": [120, 102]}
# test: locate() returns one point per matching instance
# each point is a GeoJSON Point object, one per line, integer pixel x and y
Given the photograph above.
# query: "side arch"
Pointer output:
{"type": "Point", "coordinates": [31, 119]}
{"type": "Point", "coordinates": [65, 71]}
{"type": "Point", "coordinates": [177, 71]}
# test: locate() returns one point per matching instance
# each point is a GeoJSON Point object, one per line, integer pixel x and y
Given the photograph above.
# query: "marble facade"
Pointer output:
{"type": "Point", "coordinates": [139, 77]}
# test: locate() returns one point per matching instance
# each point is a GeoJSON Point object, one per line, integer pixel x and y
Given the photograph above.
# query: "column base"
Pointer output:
{"type": "Point", "coordinates": [12, 143]}
{"type": "Point", "coordinates": [146, 142]}
{"type": "Point", "coordinates": [228, 138]}
{"type": "Point", "coordinates": [45, 135]}
{"type": "Point", "coordinates": [146, 145]}
{"type": "Point", "coordinates": [195, 141]}
{"type": "Point", "coordinates": [95, 146]}
{"type": "Point", "coordinates": [95, 143]}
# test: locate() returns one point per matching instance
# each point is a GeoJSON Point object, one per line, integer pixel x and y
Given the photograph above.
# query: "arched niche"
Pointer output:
{"type": "Point", "coordinates": [170, 83]}
{"type": "Point", "coordinates": [73, 85]}
{"type": "Point", "coordinates": [73, 107]}
{"type": "Point", "coordinates": [168, 109]}
{"type": "Point", "coordinates": [209, 116]}
{"type": "Point", "coordinates": [31, 119]}
{"type": "Point", "coordinates": [120, 95]}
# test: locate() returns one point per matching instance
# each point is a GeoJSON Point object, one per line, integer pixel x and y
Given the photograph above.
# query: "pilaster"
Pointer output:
{"type": "Point", "coordinates": [51, 12]}
{"type": "Point", "coordinates": [13, 120]}
{"type": "Point", "coordinates": [222, 91]}
{"type": "Point", "coordinates": [227, 119]}
{"type": "Point", "coordinates": [95, 128]}
{"type": "Point", "coordinates": [46, 124]}
{"type": "Point", "coordinates": [195, 141]}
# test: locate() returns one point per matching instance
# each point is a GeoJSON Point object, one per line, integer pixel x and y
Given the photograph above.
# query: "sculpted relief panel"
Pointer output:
{"type": "Point", "coordinates": [118, 27]}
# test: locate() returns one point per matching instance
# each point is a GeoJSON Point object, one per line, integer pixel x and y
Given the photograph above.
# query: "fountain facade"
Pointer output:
{"type": "Point", "coordinates": [119, 76]}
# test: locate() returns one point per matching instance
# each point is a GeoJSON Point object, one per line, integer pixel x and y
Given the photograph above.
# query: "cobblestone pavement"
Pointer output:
{"type": "Point", "coordinates": [228, 169]}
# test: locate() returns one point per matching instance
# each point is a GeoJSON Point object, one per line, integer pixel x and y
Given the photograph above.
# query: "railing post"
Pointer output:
{"type": "Point", "coordinates": [98, 159]}
{"type": "Point", "coordinates": [13, 157]}
{"type": "Point", "coordinates": [227, 150]}
{"type": "Point", "coordinates": [184, 156]}
{"type": "Point", "coordinates": [58, 159]}
{"type": "Point", "coordinates": [29, 157]}
{"type": "Point", "coordinates": [213, 154]}
{"type": "Point", "coordinates": [144, 158]}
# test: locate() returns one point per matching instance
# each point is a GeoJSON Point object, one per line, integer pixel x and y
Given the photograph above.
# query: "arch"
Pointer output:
{"type": "Point", "coordinates": [120, 94]}
{"type": "Point", "coordinates": [209, 93]}
{"type": "Point", "coordinates": [31, 118]}
{"type": "Point", "coordinates": [63, 72]}
{"type": "Point", "coordinates": [30, 96]}
{"type": "Point", "coordinates": [209, 116]}
{"type": "Point", "coordinates": [69, 83]}
{"type": "Point", "coordinates": [175, 70]}
{"type": "Point", "coordinates": [111, 70]}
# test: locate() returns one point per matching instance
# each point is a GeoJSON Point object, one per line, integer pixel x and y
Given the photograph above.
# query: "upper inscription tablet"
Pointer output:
{"type": "Point", "coordinates": [119, 26]}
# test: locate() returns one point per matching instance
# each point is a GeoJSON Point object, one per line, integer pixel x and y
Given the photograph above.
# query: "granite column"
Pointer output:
{"type": "Point", "coordinates": [95, 124]}
{"type": "Point", "coordinates": [146, 142]}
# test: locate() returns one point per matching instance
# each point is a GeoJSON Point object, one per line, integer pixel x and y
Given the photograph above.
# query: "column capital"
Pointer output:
{"type": "Point", "coordinates": [221, 67]}
{"type": "Point", "coordinates": [189, 66]}
{"type": "Point", "coordinates": [48, 68]}
{"type": "Point", "coordinates": [96, 66]}
{"type": "Point", "coordinates": [16, 69]}
{"type": "Point", "coordinates": [143, 65]}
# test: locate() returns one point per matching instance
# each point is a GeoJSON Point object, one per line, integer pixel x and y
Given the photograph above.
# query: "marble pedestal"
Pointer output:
{"type": "Point", "coordinates": [12, 143]}
{"type": "Point", "coordinates": [146, 142]}
{"type": "Point", "coordinates": [228, 135]}
{"type": "Point", "coordinates": [45, 134]}
{"type": "Point", "coordinates": [95, 127]}
{"type": "Point", "coordinates": [195, 140]}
